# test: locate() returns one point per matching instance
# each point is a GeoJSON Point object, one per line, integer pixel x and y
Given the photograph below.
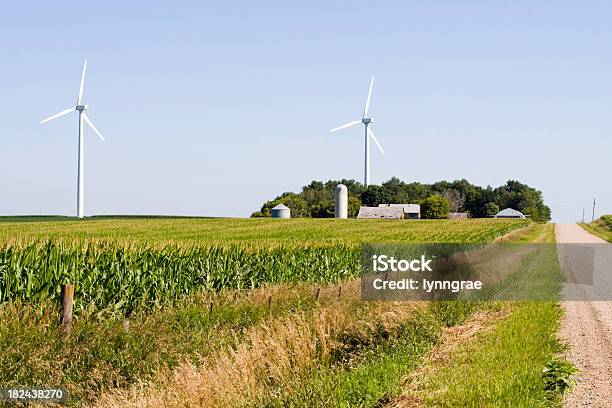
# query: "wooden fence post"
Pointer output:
{"type": "Point", "coordinates": [339, 291]}
{"type": "Point", "coordinates": [317, 295]}
{"type": "Point", "coordinates": [67, 303]}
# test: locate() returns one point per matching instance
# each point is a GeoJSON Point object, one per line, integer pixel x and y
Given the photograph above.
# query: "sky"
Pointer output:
{"type": "Point", "coordinates": [212, 108]}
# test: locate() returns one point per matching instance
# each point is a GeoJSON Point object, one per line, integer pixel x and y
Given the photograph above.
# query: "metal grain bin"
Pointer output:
{"type": "Point", "coordinates": [281, 211]}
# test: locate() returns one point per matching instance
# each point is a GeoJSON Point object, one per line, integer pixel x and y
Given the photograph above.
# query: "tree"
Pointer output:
{"type": "Point", "coordinates": [435, 207]}
{"type": "Point", "coordinates": [297, 204]}
{"type": "Point", "coordinates": [373, 195]}
{"type": "Point", "coordinates": [455, 198]}
{"type": "Point", "coordinates": [317, 198]}
{"type": "Point", "coordinates": [394, 191]}
{"type": "Point", "coordinates": [521, 197]}
{"type": "Point", "coordinates": [324, 209]}
{"type": "Point", "coordinates": [491, 209]}
{"type": "Point", "coordinates": [354, 204]}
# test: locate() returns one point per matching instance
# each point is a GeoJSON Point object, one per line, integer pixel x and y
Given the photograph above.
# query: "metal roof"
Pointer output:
{"type": "Point", "coordinates": [408, 208]}
{"type": "Point", "coordinates": [510, 212]}
{"type": "Point", "coordinates": [280, 207]}
{"type": "Point", "coordinates": [381, 212]}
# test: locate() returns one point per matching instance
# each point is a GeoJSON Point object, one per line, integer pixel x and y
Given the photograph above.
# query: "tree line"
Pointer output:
{"type": "Point", "coordinates": [316, 200]}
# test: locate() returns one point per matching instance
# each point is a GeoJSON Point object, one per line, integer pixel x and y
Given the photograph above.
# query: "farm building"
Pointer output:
{"type": "Point", "coordinates": [458, 215]}
{"type": "Point", "coordinates": [281, 211]}
{"type": "Point", "coordinates": [412, 211]}
{"type": "Point", "coordinates": [509, 213]}
{"type": "Point", "coordinates": [389, 213]}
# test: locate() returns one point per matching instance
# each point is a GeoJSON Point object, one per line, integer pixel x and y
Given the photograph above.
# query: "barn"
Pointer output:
{"type": "Point", "coordinates": [412, 211]}
{"type": "Point", "coordinates": [388, 213]}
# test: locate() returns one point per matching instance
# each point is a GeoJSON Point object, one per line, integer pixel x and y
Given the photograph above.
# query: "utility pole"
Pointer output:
{"type": "Point", "coordinates": [593, 217]}
{"type": "Point", "coordinates": [583, 215]}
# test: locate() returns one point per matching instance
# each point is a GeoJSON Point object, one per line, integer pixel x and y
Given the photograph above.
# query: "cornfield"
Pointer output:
{"type": "Point", "coordinates": [123, 279]}
{"type": "Point", "coordinates": [123, 266]}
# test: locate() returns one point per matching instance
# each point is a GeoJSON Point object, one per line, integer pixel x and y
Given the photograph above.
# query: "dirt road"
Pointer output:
{"type": "Point", "coordinates": [587, 328]}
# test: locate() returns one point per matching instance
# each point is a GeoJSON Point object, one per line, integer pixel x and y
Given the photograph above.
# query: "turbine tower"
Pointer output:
{"type": "Point", "coordinates": [81, 159]}
{"type": "Point", "coordinates": [368, 134]}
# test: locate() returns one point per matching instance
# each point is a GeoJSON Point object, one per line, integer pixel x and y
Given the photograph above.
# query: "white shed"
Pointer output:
{"type": "Point", "coordinates": [509, 213]}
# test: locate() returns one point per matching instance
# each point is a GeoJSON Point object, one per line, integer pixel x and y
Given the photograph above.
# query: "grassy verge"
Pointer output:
{"type": "Point", "coordinates": [502, 366]}
{"type": "Point", "coordinates": [602, 227]}
{"type": "Point", "coordinates": [504, 363]}
{"type": "Point", "coordinates": [98, 355]}
{"type": "Point", "coordinates": [535, 233]}
{"type": "Point", "coordinates": [369, 374]}
{"type": "Point", "coordinates": [276, 362]}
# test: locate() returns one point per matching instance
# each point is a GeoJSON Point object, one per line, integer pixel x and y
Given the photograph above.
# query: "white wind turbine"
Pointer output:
{"type": "Point", "coordinates": [81, 160]}
{"type": "Point", "coordinates": [368, 133]}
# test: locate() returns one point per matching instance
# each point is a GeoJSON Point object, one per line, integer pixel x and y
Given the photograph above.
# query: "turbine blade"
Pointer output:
{"type": "Point", "coordinates": [82, 83]}
{"type": "Point", "coordinates": [353, 123]}
{"type": "Point", "coordinates": [57, 115]}
{"type": "Point", "coordinates": [367, 106]}
{"type": "Point", "coordinates": [375, 140]}
{"type": "Point", "coordinates": [93, 127]}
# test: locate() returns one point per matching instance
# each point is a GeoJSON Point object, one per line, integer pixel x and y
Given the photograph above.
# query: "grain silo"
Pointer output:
{"type": "Point", "coordinates": [281, 211]}
{"type": "Point", "coordinates": [341, 202]}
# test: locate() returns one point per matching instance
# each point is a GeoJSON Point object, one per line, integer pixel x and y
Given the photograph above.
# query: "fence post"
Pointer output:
{"type": "Point", "coordinates": [317, 295]}
{"type": "Point", "coordinates": [67, 303]}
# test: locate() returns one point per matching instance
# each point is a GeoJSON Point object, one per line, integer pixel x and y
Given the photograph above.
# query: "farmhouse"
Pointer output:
{"type": "Point", "coordinates": [389, 213]}
{"type": "Point", "coordinates": [509, 213]}
{"type": "Point", "coordinates": [412, 211]}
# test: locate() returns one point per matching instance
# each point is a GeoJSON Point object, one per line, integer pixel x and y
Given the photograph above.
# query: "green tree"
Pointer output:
{"type": "Point", "coordinates": [354, 204]}
{"type": "Point", "coordinates": [323, 209]}
{"type": "Point", "coordinates": [435, 207]}
{"type": "Point", "coordinates": [491, 209]}
{"type": "Point", "coordinates": [297, 204]}
{"type": "Point", "coordinates": [373, 195]}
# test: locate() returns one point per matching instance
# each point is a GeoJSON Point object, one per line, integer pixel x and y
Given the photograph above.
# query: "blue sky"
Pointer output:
{"type": "Point", "coordinates": [211, 108]}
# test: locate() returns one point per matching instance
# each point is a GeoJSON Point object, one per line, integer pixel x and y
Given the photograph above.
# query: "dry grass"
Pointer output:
{"type": "Point", "coordinates": [270, 355]}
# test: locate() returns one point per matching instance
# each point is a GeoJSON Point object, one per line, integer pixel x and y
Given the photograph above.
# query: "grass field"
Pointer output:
{"type": "Point", "coordinates": [602, 227]}
{"type": "Point", "coordinates": [295, 334]}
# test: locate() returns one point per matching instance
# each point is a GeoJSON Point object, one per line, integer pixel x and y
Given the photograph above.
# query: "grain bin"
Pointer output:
{"type": "Point", "coordinates": [281, 211]}
{"type": "Point", "coordinates": [341, 202]}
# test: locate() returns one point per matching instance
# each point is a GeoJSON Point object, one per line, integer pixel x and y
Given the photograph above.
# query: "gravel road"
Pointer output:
{"type": "Point", "coordinates": [587, 328]}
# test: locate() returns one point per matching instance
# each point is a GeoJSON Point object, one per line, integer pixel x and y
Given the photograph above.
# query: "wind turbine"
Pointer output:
{"type": "Point", "coordinates": [368, 134]}
{"type": "Point", "coordinates": [81, 160]}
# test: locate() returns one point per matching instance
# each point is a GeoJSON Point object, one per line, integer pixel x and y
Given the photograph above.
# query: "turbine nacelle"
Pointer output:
{"type": "Point", "coordinates": [82, 108]}
{"type": "Point", "coordinates": [367, 121]}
